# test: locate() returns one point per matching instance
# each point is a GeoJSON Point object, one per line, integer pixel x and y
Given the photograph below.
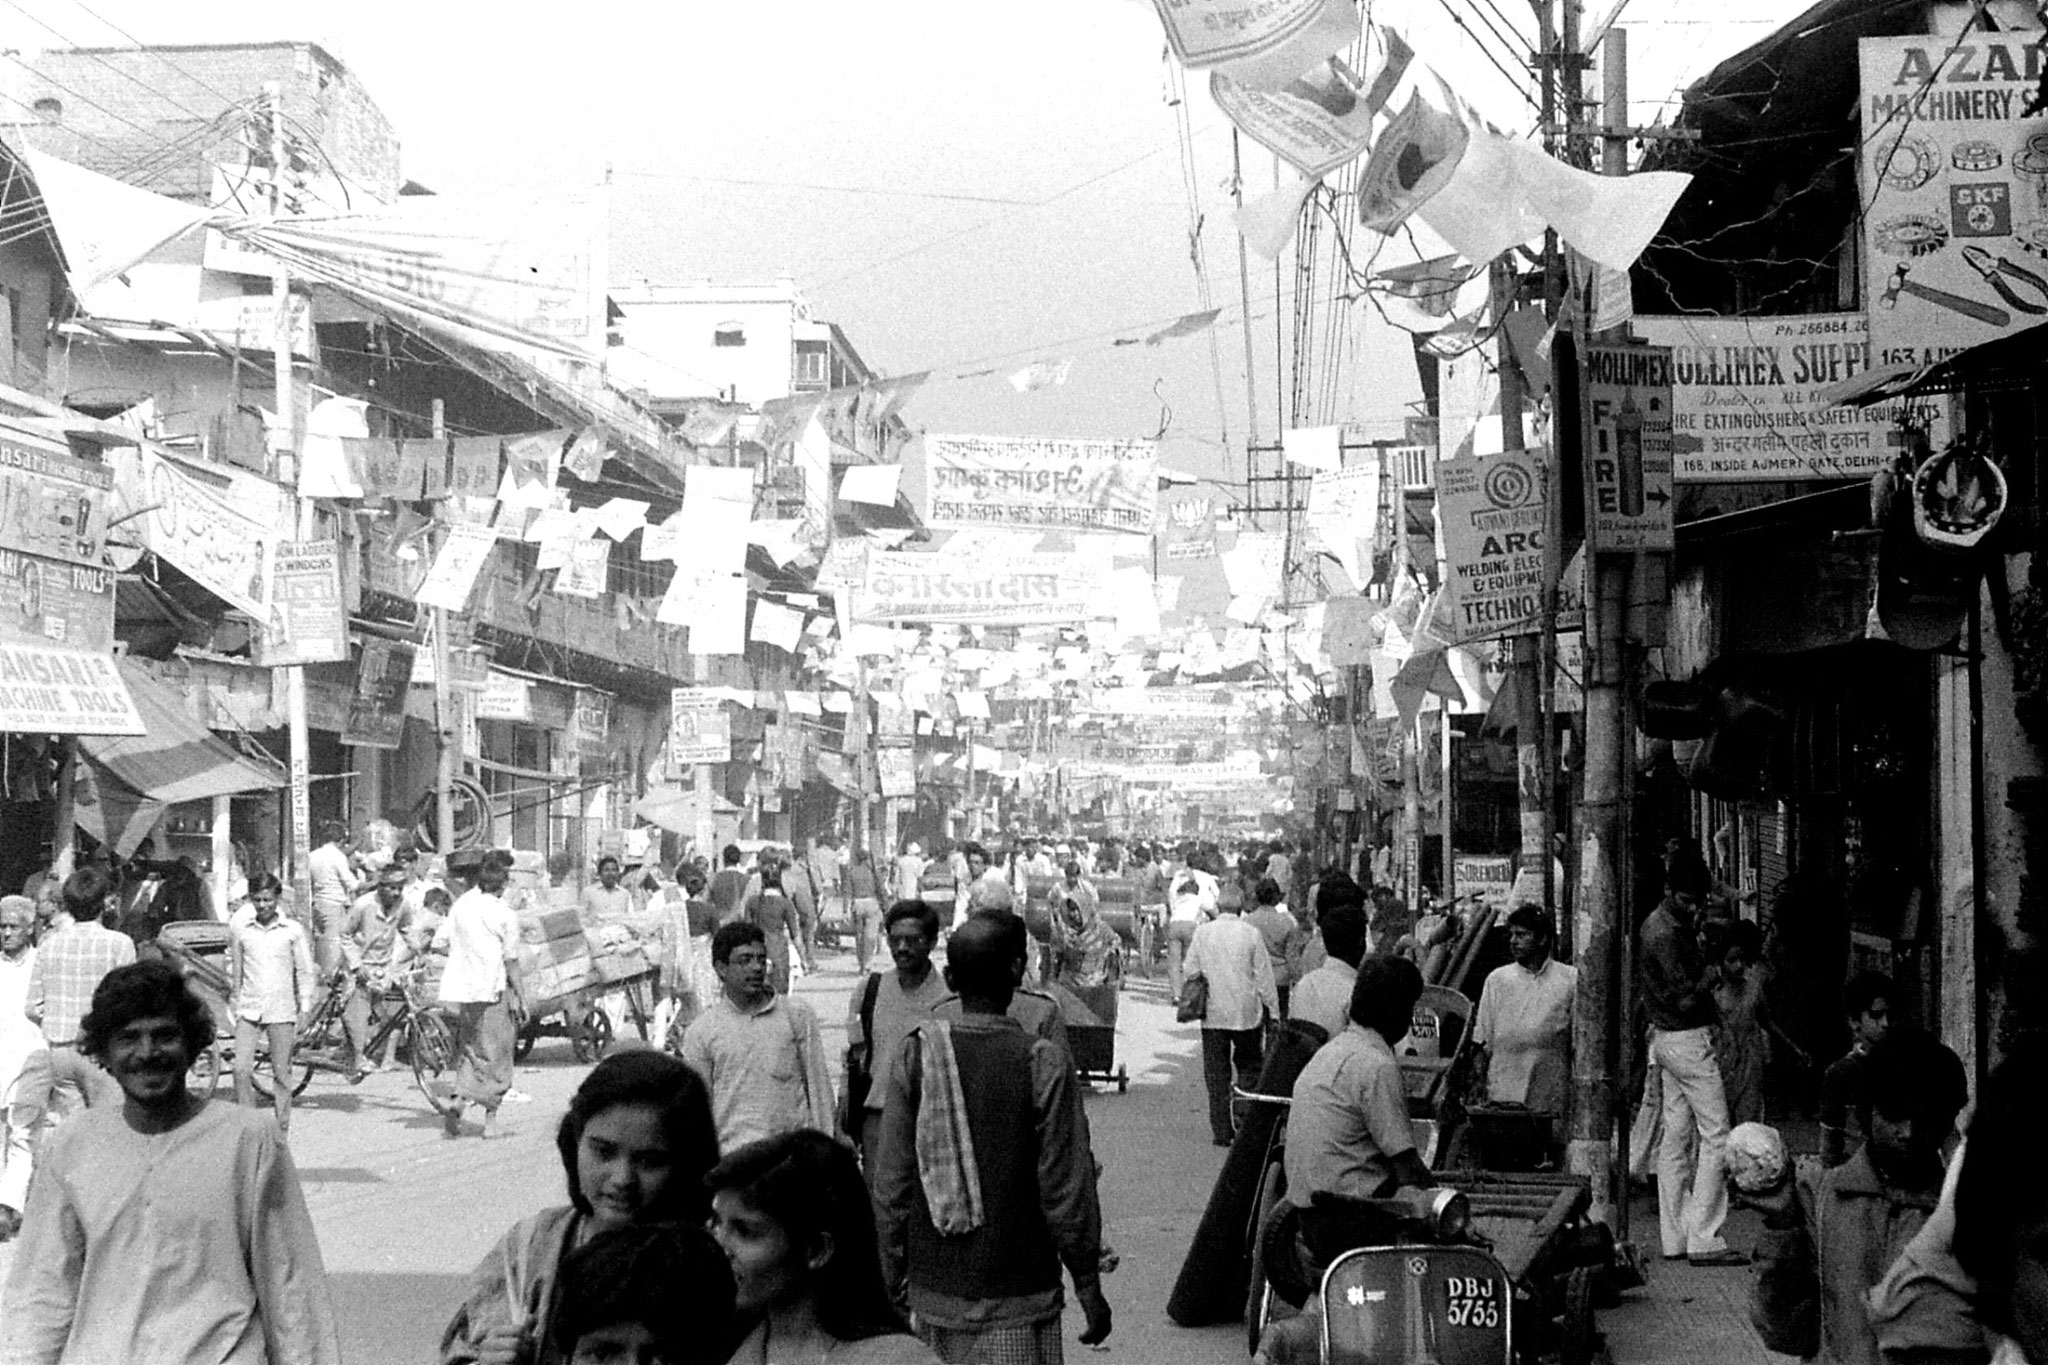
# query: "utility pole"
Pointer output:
{"type": "Point", "coordinates": [448, 730]}
{"type": "Point", "coordinates": [288, 475]}
{"type": "Point", "coordinates": [863, 770]}
{"type": "Point", "coordinates": [1604, 864]}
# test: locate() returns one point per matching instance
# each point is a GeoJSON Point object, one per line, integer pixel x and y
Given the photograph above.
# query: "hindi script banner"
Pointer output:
{"type": "Point", "coordinates": [1007, 590]}
{"type": "Point", "coordinates": [1041, 484]}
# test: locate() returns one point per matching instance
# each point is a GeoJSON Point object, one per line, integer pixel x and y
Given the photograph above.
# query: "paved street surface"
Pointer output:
{"type": "Point", "coordinates": [403, 1213]}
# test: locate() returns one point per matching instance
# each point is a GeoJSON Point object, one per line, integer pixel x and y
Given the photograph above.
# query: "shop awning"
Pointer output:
{"type": "Point", "coordinates": [176, 758]}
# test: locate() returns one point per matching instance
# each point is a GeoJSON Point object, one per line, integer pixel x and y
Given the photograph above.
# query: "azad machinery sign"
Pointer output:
{"type": "Point", "coordinates": [1955, 184]}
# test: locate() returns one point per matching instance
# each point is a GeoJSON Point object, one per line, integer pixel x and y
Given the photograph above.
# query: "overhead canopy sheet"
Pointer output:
{"type": "Point", "coordinates": [177, 758]}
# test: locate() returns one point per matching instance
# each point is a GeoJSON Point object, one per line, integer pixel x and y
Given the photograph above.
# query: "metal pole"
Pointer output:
{"type": "Point", "coordinates": [288, 475]}
{"type": "Point", "coordinates": [448, 730]}
{"type": "Point", "coordinates": [862, 774]}
{"type": "Point", "coordinates": [1532, 722]}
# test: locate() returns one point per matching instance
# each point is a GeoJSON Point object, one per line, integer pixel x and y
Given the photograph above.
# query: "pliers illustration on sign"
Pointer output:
{"type": "Point", "coordinates": [1998, 270]}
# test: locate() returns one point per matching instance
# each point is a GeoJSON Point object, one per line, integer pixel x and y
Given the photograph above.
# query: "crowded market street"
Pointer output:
{"type": "Point", "coordinates": [1318, 682]}
{"type": "Point", "coordinates": [403, 1213]}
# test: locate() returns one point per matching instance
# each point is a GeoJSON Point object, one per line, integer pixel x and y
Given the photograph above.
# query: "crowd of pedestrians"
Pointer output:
{"type": "Point", "coordinates": [932, 1196]}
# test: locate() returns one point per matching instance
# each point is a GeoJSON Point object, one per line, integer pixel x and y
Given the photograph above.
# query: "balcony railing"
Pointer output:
{"type": "Point", "coordinates": [587, 625]}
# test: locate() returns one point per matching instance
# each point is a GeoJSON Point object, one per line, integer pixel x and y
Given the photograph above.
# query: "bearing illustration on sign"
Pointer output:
{"type": "Point", "coordinates": [1492, 511]}
{"type": "Point", "coordinates": [1955, 183]}
{"type": "Point", "coordinates": [1627, 450]}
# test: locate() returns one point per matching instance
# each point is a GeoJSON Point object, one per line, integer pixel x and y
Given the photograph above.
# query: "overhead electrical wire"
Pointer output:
{"type": "Point", "coordinates": [82, 50]}
{"type": "Point", "coordinates": [156, 53]}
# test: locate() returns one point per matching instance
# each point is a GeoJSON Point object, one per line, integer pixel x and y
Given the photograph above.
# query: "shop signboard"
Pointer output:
{"type": "Point", "coordinates": [306, 623]}
{"type": "Point", "coordinates": [1041, 484]}
{"type": "Point", "coordinates": [1627, 415]}
{"type": "Point", "coordinates": [1487, 875]}
{"type": "Point", "coordinates": [1021, 589]}
{"type": "Point", "coordinates": [52, 504]}
{"type": "Point", "coordinates": [699, 730]}
{"type": "Point", "coordinates": [376, 713]}
{"type": "Point", "coordinates": [52, 689]}
{"type": "Point", "coordinates": [505, 697]}
{"type": "Point", "coordinates": [1748, 404]}
{"type": "Point", "coordinates": [46, 599]}
{"type": "Point", "coordinates": [1954, 188]}
{"type": "Point", "coordinates": [1492, 511]}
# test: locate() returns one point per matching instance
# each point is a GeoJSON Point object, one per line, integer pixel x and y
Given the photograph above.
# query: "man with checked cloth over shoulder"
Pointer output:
{"type": "Point", "coordinates": [984, 1184]}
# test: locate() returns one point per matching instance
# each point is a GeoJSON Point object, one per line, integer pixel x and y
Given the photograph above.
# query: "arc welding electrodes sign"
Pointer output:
{"type": "Point", "coordinates": [1955, 189]}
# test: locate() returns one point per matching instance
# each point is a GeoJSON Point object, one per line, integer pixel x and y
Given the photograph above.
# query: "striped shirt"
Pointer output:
{"type": "Point", "coordinates": [69, 966]}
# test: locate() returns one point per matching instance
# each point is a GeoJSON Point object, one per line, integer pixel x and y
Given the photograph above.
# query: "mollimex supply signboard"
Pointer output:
{"type": "Point", "coordinates": [1627, 414]}
{"type": "Point", "coordinates": [1955, 232]}
{"type": "Point", "coordinates": [1039, 484]}
{"type": "Point", "coordinates": [1746, 403]}
{"type": "Point", "coordinates": [1491, 509]}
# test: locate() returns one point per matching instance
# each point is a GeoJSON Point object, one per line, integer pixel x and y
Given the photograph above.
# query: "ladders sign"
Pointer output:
{"type": "Point", "coordinates": [1627, 447]}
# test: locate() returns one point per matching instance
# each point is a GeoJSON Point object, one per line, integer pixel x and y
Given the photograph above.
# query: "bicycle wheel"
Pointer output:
{"type": "Point", "coordinates": [315, 1039]}
{"type": "Point", "coordinates": [431, 1044]}
{"type": "Point", "coordinates": [203, 1078]}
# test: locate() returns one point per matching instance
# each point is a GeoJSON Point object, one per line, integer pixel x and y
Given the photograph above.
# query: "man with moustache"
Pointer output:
{"type": "Point", "coordinates": [164, 1227]}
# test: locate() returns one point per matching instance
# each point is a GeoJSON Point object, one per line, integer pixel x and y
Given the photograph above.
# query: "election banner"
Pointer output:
{"type": "Point", "coordinates": [1187, 527]}
{"type": "Point", "coordinates": [50, 689]}
{"type": "Point", "coordinates": [1007, 590]}
{"type": "Point", "coordinates": [1041, 484]}
{"type": "Point", "coordinates": [591, 725]}
{"type": "Point", "coordinates": [699, 730]}
{"type": "Point", "coordinates": [1954, 183]}
{"type": "Point", "coordinates": [1344, 512]}
{"type": "Point", "coordinates": [305, 623]}
{"type": "Point", "coordinates": [461, 558]}
{"type": "Point", "coordinates": [214, 525]}
{"type": "Point", "coordinates": [1747, 402]}
{"type": "Point", "coordinates": [1492, 513]}
{"type": "Point", "coordinates": [376, 712]}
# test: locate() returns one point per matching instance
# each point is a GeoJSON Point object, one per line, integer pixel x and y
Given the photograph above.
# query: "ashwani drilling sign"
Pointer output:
{"type": "Point", "coordinates": [1034, 484]}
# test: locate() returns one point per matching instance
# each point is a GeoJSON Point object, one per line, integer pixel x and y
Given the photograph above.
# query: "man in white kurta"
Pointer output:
{"type": "Point", "coordinates": [165, 1228]}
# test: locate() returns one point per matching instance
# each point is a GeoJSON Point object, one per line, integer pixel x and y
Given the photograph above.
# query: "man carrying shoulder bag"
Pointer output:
{"type": "Point", "coordinates": [883, 1009]}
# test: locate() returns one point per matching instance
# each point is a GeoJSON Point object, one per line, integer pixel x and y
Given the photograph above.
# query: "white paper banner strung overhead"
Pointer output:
{"type": "Point", "coordinates": [1313, 447]}
{"type": "Point", "coordinates": [874, 484]}
{"type": "Point", "coordinates": [1262, 43]}
{"type": "Point", "coordinates": [1044, 484]}
{"type": "Point", "coordinates": [453, 575]}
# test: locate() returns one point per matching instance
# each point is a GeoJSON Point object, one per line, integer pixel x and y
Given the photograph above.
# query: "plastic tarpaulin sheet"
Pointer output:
{"type": "Point", "coordinates": [178, 759]}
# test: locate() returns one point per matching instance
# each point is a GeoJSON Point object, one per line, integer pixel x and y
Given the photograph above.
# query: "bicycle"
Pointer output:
{"type": "Point", "coordinates": [321, 1045]}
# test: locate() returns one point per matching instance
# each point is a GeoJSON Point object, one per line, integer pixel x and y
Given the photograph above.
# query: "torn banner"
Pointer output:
{"type": "Point", "coordinates": [1261, 43]}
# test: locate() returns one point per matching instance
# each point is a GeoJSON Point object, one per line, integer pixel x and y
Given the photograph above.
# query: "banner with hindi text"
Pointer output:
{"type": "Point", "coordinates": [1041, 484]}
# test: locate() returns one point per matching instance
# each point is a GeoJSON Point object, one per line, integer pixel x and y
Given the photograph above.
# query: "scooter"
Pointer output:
{"type": "Point", "coordinates": [1408, 1280]}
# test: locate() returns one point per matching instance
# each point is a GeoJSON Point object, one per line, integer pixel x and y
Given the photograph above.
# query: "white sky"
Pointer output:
{"type": "Point", "coordinates": [853, 145]}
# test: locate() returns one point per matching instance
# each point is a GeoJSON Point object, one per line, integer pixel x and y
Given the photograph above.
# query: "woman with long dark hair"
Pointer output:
{"type": "Point", "coordinates": [793, 1216]}
{"type": "Point", "coordinates": [635, 1145]}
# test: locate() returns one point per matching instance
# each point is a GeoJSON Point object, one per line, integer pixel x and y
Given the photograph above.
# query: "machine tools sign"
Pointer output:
{"type": "Point", "coordinates": [1627, 413]}
{"type": "Point", "coordinates": [1955, 178]}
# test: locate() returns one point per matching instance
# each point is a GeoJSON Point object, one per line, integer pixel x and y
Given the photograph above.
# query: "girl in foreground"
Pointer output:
{"type": "Point", "coordinates": [793, 1217]}
{"type": "Point", "coordinates": [635, 1144]}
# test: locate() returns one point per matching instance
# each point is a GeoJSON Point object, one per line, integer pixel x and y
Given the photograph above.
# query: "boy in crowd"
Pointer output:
{"type": "Point", "coordinates": [1826, 1245]}
{"type": "Point", "coordinates": [1867, 1002]}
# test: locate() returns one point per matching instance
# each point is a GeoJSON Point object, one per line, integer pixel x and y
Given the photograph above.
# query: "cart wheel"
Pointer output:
{"type": "Point", "coordinates": [432, 1049]}
{"type": "Point", "coordinates": [204, 1077]}
{"type": "Point", "coordinates": [1123, 1079]}
{"type": "Point", "coordinates": [529, 1034]}
{"type": "Point", "coordinates": [593, 1036]}
{"type": "Point", "coordinates": [1258, 1299]}
{"type": "Point", "coordinates": [1579, 1339]}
